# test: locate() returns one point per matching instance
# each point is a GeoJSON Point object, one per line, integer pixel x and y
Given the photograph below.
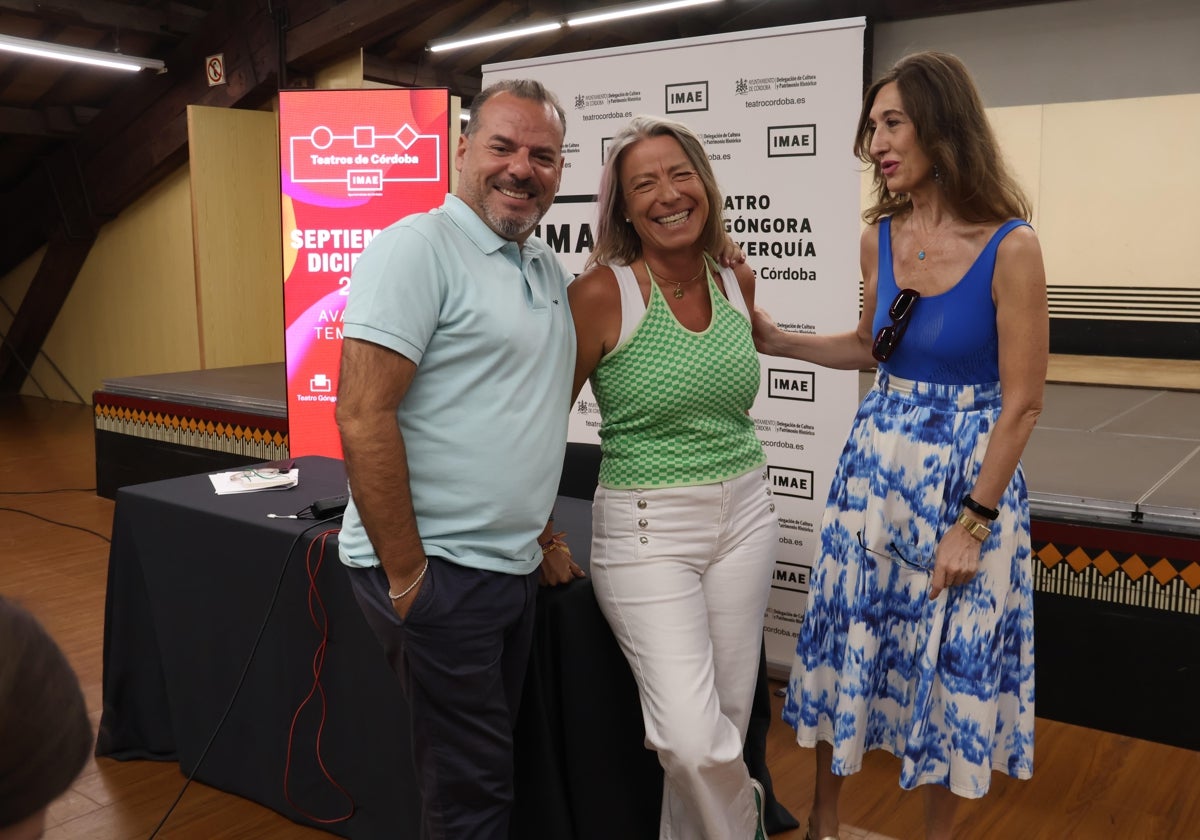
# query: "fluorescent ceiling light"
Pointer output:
{"type": "Point", "coordinates": [598, 16]}
{"type": "Point", "coordinates": [439, 44]}
{"type": "Point", "coordinates": [633, 9]}
{"type": "Point", "coordinates": [79, 55]}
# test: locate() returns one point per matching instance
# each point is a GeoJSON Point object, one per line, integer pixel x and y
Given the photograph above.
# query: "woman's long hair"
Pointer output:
{"type": "Point", "coordinates": [953, 130]}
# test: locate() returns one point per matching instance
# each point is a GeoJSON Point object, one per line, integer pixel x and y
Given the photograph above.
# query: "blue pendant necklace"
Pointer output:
{"type": "Point", "coordinates": [921, 251]}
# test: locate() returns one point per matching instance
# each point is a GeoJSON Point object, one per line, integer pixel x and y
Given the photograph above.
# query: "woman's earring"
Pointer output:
{"type": "Point", "coordinates": [937, 175]}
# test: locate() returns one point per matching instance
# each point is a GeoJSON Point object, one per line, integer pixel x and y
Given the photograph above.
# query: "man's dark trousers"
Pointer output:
{"type": "Point", "coordinates": [461, 654]}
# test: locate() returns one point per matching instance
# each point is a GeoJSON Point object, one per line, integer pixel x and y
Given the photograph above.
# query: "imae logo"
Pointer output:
{"type": "Point", "coordinates": [792, 577]}
{"type": "Point", "coordinates": [791, 140]}
{"type": "Point", "coordinates": [687, 96]}
{"type": "Point", "coordinates": [791, 384]}
{"type": "Point", "coordinates": [786, 481]}
{"type": "Point", "coordinates": [364, 180]}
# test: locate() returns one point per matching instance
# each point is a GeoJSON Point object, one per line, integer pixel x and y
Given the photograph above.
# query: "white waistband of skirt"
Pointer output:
{"type": "Point", "coordinates": [973, 397]}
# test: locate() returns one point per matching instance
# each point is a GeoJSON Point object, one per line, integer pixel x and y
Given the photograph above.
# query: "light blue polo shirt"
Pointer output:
{"type": "Point", "coordinates": [485, 418]}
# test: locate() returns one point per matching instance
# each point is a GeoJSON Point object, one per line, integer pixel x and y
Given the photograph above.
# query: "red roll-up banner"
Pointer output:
{"type": "Point", "coordinates": [353, 162]}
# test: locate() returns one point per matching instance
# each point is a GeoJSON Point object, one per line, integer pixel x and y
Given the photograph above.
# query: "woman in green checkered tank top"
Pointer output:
{"type": "Point", "coordinates": [684, 528]}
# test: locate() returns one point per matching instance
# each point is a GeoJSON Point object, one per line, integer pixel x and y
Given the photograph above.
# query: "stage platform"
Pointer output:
{"type": "Point", "coordinates": [1100, 455]}
{"type": "Point", "coordinates": [1121, 456]}
{"type": "Point", "coordinates": [167, 425]}
{"type": "Point", "coordinates": [1114, 456]}
{"type": "Point", "coordinates": [1114, 481]}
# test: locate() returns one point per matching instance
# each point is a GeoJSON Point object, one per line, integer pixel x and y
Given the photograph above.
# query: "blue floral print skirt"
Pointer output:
{"type": "Point", "coordinates": [946, 685]}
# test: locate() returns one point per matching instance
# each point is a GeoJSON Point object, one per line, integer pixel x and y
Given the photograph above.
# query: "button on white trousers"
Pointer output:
{"type": "Point", "coordinates": [682, 574]}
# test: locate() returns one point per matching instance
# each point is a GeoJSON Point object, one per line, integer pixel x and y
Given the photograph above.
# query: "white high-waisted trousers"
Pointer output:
{"type": "Point", "coordinates": [682, 574]}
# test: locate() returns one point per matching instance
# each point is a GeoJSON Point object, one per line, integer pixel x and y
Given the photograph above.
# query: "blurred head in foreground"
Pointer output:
{"type": "Point", "coordinates": [45, 735]}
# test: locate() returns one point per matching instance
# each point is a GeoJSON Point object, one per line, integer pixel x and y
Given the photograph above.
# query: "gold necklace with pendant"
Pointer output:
{"type": "Point", "coordinates": [677, 293]}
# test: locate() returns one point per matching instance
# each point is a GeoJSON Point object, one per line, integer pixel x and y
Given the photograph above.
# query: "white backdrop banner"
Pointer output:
{"type": "Point", "coordinates": [776, 109]}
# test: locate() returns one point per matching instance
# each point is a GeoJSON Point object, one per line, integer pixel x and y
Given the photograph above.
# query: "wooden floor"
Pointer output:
{"type": "Point", "coordinates": [1087, 784]}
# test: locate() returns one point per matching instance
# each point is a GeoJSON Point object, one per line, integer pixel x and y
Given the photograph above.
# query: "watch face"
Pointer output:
{"type": "Point", "coordinates": [975, 528]}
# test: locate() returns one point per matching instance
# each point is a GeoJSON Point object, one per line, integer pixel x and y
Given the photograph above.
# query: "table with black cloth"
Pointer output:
{"type": "Point", "coordinates": [192, 577]}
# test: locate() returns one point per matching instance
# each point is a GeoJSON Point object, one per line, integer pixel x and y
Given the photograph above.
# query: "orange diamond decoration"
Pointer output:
{"type": "Point", "coordinates": [1191, 576]}
{"type": "Point", "coordinates": [1163, 571]}
{"type": "Point", "coordinates": [1049, 555]}
{"type": "Point", "coordinates": [1106, 564]}
{"type": "Point", "coordinates": [1079, 559]}
{"type": "Point", "coordinates": [1134, 567]}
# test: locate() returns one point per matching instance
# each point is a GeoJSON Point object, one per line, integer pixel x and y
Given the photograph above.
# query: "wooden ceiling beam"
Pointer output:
{"type": "Point", "coordinates": [178, 19]}
{"type": "Point", "coordinates": [345, 27]}
{"type": "Point", "coordinates": [128, 148]}
{"type": "Point", "coordinates": [40, 307]}
{"type": "Point", "coordinates": [406, 74]}
{"type": "Point", "coordinates": [152, 140]}
{"type": "Point", "coordinates": [51, 121]}
{"type": "Point", "coordinates": [404, 44]}
{"type": "Point", "coordinates": [137, 134]}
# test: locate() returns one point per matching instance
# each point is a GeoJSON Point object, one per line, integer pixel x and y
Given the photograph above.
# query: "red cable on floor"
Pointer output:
{"type": "Point", "coordinates": [321, 622]}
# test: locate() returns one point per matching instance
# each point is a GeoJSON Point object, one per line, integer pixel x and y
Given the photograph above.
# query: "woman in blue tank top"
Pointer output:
{"type": "Point", "coordinates": [918, 635]}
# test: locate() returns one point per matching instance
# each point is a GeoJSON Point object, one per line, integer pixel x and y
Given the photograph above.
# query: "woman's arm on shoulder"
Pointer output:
{"type": "Point", "coordinates": [843, 351]}
{"type": "Point", "coordinates": [596, 309]}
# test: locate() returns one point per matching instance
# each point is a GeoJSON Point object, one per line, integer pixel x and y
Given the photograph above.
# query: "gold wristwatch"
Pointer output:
{"type": "Point", "coordinates": [974, 527]}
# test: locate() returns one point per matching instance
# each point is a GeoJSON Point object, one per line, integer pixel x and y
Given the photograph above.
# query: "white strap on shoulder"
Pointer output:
{"type": "Point", "coordinates": [633, 308]}
{"type": "Point", "coordinates": [733, 291]}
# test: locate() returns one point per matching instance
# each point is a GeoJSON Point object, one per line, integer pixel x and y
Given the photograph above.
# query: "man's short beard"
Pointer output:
{"type": "Point", "coordinates": [512, 227]}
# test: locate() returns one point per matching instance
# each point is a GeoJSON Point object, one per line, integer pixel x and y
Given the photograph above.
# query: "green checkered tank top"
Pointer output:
{"type": "Point", "coordinates": [673, 403]}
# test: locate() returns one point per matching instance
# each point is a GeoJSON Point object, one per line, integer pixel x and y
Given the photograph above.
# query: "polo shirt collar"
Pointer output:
{"type": "Point", "coordinates": [476, 229]}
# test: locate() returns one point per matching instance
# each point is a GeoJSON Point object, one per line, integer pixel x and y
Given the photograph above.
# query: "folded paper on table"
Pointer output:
{"type": "Point", "coordinates": [251, 480]}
